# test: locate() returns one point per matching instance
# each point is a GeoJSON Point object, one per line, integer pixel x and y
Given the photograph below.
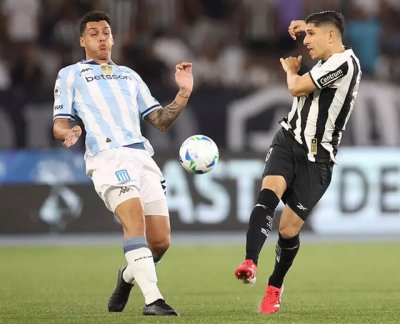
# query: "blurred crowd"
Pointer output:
{"type": "Point", "coordinates": [232, 43]}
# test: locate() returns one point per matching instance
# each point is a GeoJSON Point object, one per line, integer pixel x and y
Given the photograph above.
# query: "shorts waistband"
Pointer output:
{"type": "Point", "coordinates": [291, 135]}
{"type": "Point", "coordinates": [138, 146]}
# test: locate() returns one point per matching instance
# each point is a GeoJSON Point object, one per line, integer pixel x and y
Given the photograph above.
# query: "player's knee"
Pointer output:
{"type": "Point", "coordinates": [132, 223]}
{"type": "Point", "coordinates": [159, 247]}
{"type": "Point", "coordinates": [268, 198]}
{"type": "Point", "coordinates": [288, 231]}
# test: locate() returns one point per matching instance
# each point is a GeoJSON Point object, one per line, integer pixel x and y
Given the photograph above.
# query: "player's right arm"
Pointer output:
{"type": "Point", "coordinates": [63, 132]}
{"type": "Point", "coordinates": [63, 112]}
{"type": "Point", "coordinates": [298, 85]}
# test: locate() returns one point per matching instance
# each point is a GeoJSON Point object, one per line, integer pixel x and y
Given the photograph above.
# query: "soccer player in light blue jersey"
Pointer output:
{"type": "Point", "coordinates": [110, 100]}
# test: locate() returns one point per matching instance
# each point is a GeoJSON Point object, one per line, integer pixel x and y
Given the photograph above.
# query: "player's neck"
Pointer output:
{"type": "Point", "coordinates": [99, 60]}
{"type": "Point", "coordinates": [339, 48]}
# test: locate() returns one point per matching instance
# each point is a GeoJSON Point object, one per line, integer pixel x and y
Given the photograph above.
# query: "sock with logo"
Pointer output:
{"type": "Point", "coordinates": [286, 250]}
{"type": "Point", "coordinates": [260, 223]}
{"type": "Point", "coordinates": [127, 276]}
{"type": "Point", "coordinates": [141, 268]}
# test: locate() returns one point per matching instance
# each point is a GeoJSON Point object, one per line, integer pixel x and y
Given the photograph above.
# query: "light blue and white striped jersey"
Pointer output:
{"type": "Point", "coordinates": [110, 99]}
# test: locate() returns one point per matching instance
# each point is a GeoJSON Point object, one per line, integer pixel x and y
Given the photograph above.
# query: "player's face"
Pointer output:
{"type": "Point", "coordinates": [317, 41]}
{"type": "Point", "coordinates": [97, 40]}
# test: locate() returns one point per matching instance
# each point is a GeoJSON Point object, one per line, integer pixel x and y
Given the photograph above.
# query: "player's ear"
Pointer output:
{"type": "Point", "coordinates": [82, 42]}
{"type": "Point", "coordinates": [331, 36]}
{"type": "Point", "coordinates": [112, 39]}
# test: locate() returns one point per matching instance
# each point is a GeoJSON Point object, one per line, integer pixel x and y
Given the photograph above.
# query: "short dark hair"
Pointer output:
{"type": "Point", "coordinates": [93, 16]}
{"type": "Point", "coordinates": [327, 17]}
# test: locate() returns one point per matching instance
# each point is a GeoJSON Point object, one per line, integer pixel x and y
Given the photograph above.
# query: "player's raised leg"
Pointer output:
{"type": "Point", "coordinates": [260, 225]}
{"type": "Point", "coordinates": [286, 250]}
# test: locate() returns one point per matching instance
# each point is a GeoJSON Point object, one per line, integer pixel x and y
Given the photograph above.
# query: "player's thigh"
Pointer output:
{"type": "Point", "coordinates": [290, 223]}
{"type": "Point", "coordinates": [116, 175]}
{"type": "Point", "coordinates": [279, 164]}
{"type": "Point", "coordinates": [311, 182]}
{"type": "Point", "coordinates": [153, 187]}
{"type": "Point", "coordinates": [130, 214]}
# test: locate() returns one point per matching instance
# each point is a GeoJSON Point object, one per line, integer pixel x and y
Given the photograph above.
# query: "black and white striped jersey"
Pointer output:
{"type": "Point", "coordinates": [318, 119]}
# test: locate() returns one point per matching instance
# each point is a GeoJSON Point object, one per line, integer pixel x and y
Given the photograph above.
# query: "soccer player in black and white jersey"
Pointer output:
{"type": "Point", "coordinates": [300, 160]}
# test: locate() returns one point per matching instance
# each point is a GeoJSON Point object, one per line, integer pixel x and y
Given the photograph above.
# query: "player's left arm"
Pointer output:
{"type": "Point", "coordinates": [298, 85]}
{"type": "Point", "coordinates": [162, 119]}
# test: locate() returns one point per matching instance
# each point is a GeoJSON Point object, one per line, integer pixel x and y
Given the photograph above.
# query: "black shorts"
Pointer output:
{"type": "Point", "coordinates": [306, 181]}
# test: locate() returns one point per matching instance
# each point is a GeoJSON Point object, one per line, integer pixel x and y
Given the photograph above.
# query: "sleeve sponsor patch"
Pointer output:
{"type": "Point", "coordinates": [331, 76]}
{"type": "Point", "coordinates": [57, 92]}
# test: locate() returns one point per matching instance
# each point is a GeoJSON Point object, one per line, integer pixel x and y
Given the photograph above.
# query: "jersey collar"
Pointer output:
{"type": "Point", "coordinates": [91, 61]}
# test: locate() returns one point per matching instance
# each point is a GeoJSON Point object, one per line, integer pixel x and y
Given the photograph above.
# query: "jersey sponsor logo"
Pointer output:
{"type": "Point", "coordinates": [107, 77]}
{"type": "Point", "coordinates": [58, 107]}
{"type": "Point", "coordinates": [122, 175]}
{"type": "Point", "coordinates": [330, 77]}
{"type": "Point", "coordinates": [85, 70]}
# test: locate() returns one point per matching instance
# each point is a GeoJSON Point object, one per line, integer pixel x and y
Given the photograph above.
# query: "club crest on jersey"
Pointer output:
{"type": "Point", "coordinates": [122, 176]}
{"type": "Point", "coordinates": [107, 69]}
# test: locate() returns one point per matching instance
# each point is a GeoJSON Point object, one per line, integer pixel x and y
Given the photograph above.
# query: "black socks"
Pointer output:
{"type": "Point", "coordinates": [260, 223]}
{"type": "Point", "coordinates": [286, 250]}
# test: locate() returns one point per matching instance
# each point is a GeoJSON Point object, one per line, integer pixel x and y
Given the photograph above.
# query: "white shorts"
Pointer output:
{"type": "Point", "coordinates": [123, 173]}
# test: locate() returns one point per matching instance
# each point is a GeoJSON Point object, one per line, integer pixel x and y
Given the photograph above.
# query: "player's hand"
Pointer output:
{"type": "Point", "coordinates": [72, 136]}
{"type": "Point", "coordinates": [295, 27]}
{"type": "Point", "coordinates": [184, 78]}
{"type": "Point", "coordinates": [291, 64]}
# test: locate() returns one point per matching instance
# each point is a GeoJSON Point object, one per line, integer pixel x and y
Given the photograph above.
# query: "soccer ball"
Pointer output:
{"type": "Point", "coordinates": [198, 154]}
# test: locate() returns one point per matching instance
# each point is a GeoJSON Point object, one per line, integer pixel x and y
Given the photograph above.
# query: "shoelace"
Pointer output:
{"type": "Point", "coordinates": [271, 294]}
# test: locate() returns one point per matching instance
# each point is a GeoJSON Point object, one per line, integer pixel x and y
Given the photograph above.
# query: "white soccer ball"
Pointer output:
{"type": "Point", "coordinates": [198, 154]}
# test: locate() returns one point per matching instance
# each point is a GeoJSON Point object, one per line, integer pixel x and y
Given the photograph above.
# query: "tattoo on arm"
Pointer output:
{"type": "Point", "coordinates": [162, 119]}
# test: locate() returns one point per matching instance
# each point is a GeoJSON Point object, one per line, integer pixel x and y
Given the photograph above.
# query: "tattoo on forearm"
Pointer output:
{"type": "Point", "coordinates": [163, 118]}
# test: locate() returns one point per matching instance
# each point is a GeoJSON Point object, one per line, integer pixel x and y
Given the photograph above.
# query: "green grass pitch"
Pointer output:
{"type": "Point", "coordinates": [329, 283]}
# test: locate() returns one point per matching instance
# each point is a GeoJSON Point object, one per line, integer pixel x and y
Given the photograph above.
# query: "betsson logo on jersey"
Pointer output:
{"type": "Point", "coordinates": [107, 77]}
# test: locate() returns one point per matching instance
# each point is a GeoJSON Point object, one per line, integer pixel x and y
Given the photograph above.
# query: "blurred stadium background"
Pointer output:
{"type": "Point", "coordinates": [239, 97]}
{"type": "Point", "coordinates": [46, 200]}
